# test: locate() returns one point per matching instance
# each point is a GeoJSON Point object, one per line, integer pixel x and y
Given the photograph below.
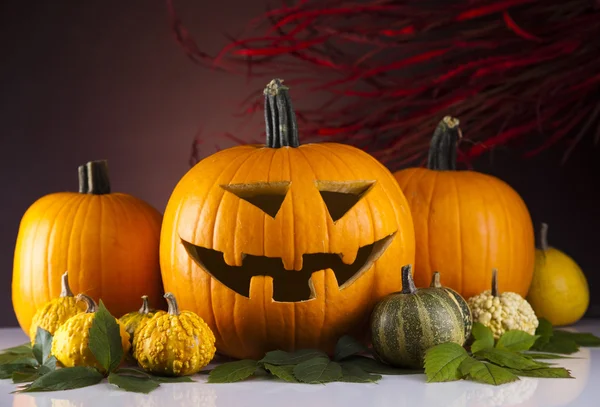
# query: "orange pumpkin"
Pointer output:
{"type": "Point", "coordinates": [284, 246]}
{"type": "Point", "coordinates": [108, 242]}
{"type": "Point", "coordinates": [466, 222]}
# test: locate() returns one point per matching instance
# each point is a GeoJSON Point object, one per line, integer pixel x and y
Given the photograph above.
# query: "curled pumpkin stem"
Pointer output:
{"type": "Point", "coordinates": [89, 301]}
{"type": "Point", "coordinates": [408, 284]}
{"type": "Point", "coordinates": [495, 292]}
{"type": "Point", "coordinates": [65, 290]}
{"type": "Point", "coordinates": [172, 303]}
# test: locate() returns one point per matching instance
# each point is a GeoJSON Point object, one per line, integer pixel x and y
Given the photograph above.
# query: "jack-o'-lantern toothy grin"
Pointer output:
{"type": "Point", "coordinates": [288, 285]}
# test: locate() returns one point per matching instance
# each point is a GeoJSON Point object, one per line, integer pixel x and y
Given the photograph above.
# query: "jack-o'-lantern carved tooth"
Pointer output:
{"type": "Point", "coordinates": [233, 258]}
{"type": "Point", "coordinates": [349, 257]}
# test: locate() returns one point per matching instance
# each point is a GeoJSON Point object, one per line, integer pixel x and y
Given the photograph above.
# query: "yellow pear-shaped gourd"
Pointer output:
{"type": "Point", "coordinates": [133, 320]}
{"type": "Point", "coordinates": [174, 343]}
{"type": "Point", "coordinates": [55, 312]}
{"type": "Point", "coordinates": [70, 344]}
{"type": "Point", "coordinates": [559, 290]}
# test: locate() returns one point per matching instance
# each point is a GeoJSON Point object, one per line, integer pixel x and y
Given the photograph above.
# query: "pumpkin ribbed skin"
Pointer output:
{"type": "Point", "coordinates": [405, 324]}
{"type": "Point", "coordinates": [204, 213]}
{"type": "Point", "coordinates": [459, 301]}
{"type": "Point", "coordinates": [467, 223]}
{"type": "Point", "coordinates": [108, 242]}
{"type": "Point", "coordinates": [201, 212]}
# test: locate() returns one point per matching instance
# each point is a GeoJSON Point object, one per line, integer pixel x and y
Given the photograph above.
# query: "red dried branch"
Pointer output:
{"type": "Point", "coordinates": [513, 71]}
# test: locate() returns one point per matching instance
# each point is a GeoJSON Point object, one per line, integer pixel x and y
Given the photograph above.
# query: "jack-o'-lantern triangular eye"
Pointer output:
{"type": "Point", "coordinates": [266, 196]}
{"type": "Point", "coordinates": [341, 196]}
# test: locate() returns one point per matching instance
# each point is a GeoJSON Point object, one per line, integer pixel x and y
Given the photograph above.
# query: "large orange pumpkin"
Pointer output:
{"type": "Point", "coordinates": [285, 246]}
{"type": "Point", "coordinates": [107, 241]}
{"type": "Point", "coordinates": [466, 222]}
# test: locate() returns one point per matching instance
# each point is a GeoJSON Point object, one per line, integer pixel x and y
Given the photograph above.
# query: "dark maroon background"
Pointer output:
{"type": "Point", "coordinates": [103, 79]}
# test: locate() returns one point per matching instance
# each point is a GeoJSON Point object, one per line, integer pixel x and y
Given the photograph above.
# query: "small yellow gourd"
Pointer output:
{"type": "Point", "coordinates": [55, 312]}
{"type": "Point", "coordinates": [133, 320]}
{"type": "Point", "coordinates": [502, 312]}
{"type": "Point", "coordinates": [70, 344]}
{"type": "Point", "coordinates": [559, 290]}
{"type": "Point", "coordinates": [174, 343]}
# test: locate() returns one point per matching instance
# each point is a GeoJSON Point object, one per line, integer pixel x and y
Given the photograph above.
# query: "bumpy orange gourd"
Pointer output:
{"type": "Point", "coordinates": [108, 242]}
{"type": "Point", "coordinates": [285, 246]}
{"type": "Point", "coordinates": [466, 222]}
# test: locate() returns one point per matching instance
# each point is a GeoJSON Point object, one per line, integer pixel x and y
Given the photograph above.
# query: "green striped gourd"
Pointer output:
{"type": "Point", "coordinates": [461, 303]}
{"type": "Point", "coordinates": [407, 323]}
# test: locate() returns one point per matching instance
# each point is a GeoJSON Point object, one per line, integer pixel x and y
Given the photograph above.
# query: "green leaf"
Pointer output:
{"type": "Point", "coordinates": [132, 371]}
{"type": "Point", "coordinates": [7, 370]}
{"type": "Point", "coordinates": [547, 372]}
{"type": "Point", "coordinates": [24, 349]}
{"type": "Point", "coordinates": [134, 384]}
{"type": "Point", "coordinates": [371, 365]}
{"type": "Point", "coordinates": [563, 346]}
{"type": "Point", "coordinates": [580, 338]}
{"type": "Point", "coordinates": [284, 372]}
{"type": "Point", "coordinates": [348, 346]}
{"type": "Point", "coordinates": [65, 379]}
{"type": "Point", "coordinates": [484, 338]}
{"type": "Point", "coordinates": [506, 358]}
{"type": "Point", "coordinates": [43, 345]}
{"type": "Point", "coordinates": [442, 362]}
{"type": "Point", "coordinates": [516, 340]}
{"type": "Point", "coordinates": [27, 374]}
{"type": "Point", "coordinates": [231, 372]}
{"type": "Point", "coordinates": [105, 339]}
{"type": "Point", "coordinates": [544, 331]}
{"type": "Point", "coordinates": [354, 374]}
{"type": "Point", "coordinates": [318, 370]}
{"type": "Point", "coordinates": [49, 364]}
{"type": "Point", "coordinates": [485, 372]}
{"type": "Point", "coordinates": [280, 358]}
{"type": "Point", "coordinates": [534, 355]}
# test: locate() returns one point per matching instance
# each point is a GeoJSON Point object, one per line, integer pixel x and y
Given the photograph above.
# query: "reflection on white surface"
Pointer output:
{"type": "Point", "coordinates": [392, 391]}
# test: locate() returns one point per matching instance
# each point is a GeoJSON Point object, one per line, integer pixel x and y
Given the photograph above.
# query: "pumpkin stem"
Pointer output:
{"type": "Point", "coordinates": [93, 178]}
{"type": "Point", "coordinates": [435, 280]}
{"type": "Point", "coordinates": [495, 283]}
{"type": "Point", "coordinates": [145, 308]}
{"type": "Point", "coordinates": [544, 237]}
{"type": "Point", "coordinates": [89, 301]}
{"type": "Point", "coordinates": [172, 302]}
{"type": "Point", "coordinates": [280, 119]}
{"type": "Point", "coordinates": [65, 290]}
{"type": "Point", "coordinates": [442, 149]}
{"type": "Point", "coordinates": [408, 284]}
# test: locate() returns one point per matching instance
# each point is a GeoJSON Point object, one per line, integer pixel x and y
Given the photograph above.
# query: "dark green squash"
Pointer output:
{"type": "Point", "coordinates": [407, 323]}
{"type": "Point", "coordinates": [461, 303]}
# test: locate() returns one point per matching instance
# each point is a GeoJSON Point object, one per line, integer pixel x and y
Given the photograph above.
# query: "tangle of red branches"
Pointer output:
{"type": "Point", "coordinates": [511, 70]}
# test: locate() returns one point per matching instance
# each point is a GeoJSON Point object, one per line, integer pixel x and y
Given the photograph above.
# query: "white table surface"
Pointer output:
{"type": "Point", "coordinates": [391, 391]}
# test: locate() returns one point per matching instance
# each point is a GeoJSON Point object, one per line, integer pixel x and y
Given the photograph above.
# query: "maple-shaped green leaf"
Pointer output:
{"type": "Point", "coordinates": [546, 372]}
{"type": "Point", "coordinates": [442, 362]}
{"type": "Point", "coordinates": [488, 373]}
{"type": "Point", "coordinates": [507, 358]}
{"type": "Point", "coordinates": [318, 370]}
{"type": "Point", "coordinates": [231, 372]}
{"type": "Point", "coordinates": [516, 340]}
{"type": "Point", "coordinates": [484, 338]}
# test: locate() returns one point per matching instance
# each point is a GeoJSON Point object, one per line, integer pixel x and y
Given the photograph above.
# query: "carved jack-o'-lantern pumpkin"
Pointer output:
{"type": "Point", "coordinates": [285, 246]}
